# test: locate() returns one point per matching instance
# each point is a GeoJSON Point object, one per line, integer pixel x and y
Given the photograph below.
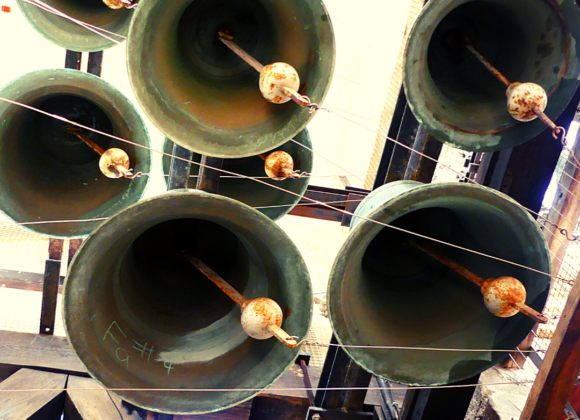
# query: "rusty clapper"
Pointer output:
{"type": "Point", "coordinates": [459, 100]}
{"type": "Point", "coordinates": [384, 292]}
{"type": "Point", "coordinates": [139, 315]}
{"type": "Point", "coordinates": [47, 171]}
{"type": "Point", "coordinates": [176, 56]}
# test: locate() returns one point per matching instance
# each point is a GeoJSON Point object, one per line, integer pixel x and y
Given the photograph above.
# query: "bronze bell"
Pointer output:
{"type": "Point", "coordinates": [47, 172]}
{"type": "Point", "coordinates": [204, 97]}
{"type": "Point", "coordinates": [385, 292]}
{"type": "Point", "coordinates": [457, 99]}
{"type": "Point", "coordinates": [275, 203]}
{"type": "Point", "coordinates": [72, 36]}
{"type": "Point", "coordinates": [139, 315]}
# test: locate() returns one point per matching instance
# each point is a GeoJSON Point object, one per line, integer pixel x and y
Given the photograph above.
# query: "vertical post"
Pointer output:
{"type": "Point", "coordinates": [50, 286]}
{"type": "Point", "coordinates": [209, 179]}
{"type": "Point", "coordinates": [421, 168]}
{"type": "Point", "coordinates": [72, 60]}
{"type": "Point", "coordinates": [406, 136]}
{"type": "Point", "coordinates": [73, 247]}
{"type": "Point", "coordinates": [179, 168]}
{"type": "Point", "coordinates": [340, 371]}
{"type": "Point", "coordinates": [559, 370]}
{"type": "Point", "coordinates": [383, 168]}
{"type": "Point", "coordinates": [442, 403]}
{"type": "Point", "coordinates": [95, 64]}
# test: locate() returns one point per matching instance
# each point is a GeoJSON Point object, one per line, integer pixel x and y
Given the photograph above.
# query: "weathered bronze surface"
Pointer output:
{"type": "Point", "coordinates": [140, 315]}
{"type": "Point", "coordinates": [456, 98]}
{"type": "Point", "coordinates": [253, 193]}
{"type": "Point", "coordinates": [203, 96]}
{"type": "Point", "coordinates": [71, 35]}
{"type": "Point", "coordinates": [48, 173]}
{"type": "Point", "coordinates": [386, 292]}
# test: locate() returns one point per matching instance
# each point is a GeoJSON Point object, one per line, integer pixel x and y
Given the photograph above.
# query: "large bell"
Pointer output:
{"type": "Point", "coordinates": [139, 315]}
{"type": "Point", "coordinates": [271, 201]}
{"type": "Point", "coordinates": [203, 96]}
{"type": "Point", "coordinates": [457, 99]}
{"type": "Point", "coordinates": [71, 35]}
{"type": "Point", "coordinates": [385, 292]}
{"type": "Point", "coordinates": [49, 174]}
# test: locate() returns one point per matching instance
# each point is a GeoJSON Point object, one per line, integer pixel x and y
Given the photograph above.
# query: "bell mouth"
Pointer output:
{"type": "Point", "coordinates": [457, 98]}
{"type": "Point", "coordinates": [207, 99]}
{"type": "Point", "coordinates": [149, 319]}
{"type": "Point", "coordinates": [386, 292]}
{"type": "Point", "coordinates": [52, 175]}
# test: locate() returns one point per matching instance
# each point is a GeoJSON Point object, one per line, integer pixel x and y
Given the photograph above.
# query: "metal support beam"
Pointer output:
{"type": "Point", "coordinates": [95, 64]}
{"type": "Point", "coordinates": [179, 168]}
{"type": "Point", "coordinates": [383, 168]}
{"type": "Point", "coordinates": [420, 167]}
{"type": "Point", "coordinates": [209, 179]}
{"type": "Point", "coordinates": [50, 286]}
{"type": "Point", "coordinates": [72, 60]}
{"type": "Point", "coordinates": [439, 403]}
{"type": "Point", "coordinates": [340, 371]}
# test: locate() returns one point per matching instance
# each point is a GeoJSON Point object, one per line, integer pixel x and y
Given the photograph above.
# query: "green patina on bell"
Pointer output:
{"type": "Point", "coordinates": [204, 97]}
{"type": "Point", "coordinates": [256, 194]}
{"type": "Point", "coordinates": [457, 99]}
{"type": "Point", "coordinates": [139, 315]}
{"type": "Point", "coordinates": [48, 173]}
{"type": "Point", "coordinates": [385, 292]}
{"type": "Point", "coordinates": [72, 36]}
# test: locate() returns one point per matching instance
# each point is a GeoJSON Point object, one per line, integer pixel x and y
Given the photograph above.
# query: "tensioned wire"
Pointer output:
{"type": "Point", "coordinates": [370, 388]}
{"type": "Point", "coordinates": [354, 122]}
{"type": "Point", "coordinates": [92, 28]}
{"type": "Point", "coordinates": [89, 27]}
{"type": "Point", "coordinates": [58, 117]}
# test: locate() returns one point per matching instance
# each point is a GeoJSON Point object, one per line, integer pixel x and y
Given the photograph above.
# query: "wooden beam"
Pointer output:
{"type": "Point", "coordinates": [24, 405]}
{"type": "Point", "coordinates": [35, 350]}
{"type": "Point", "coordinates": [559, 370]}
{"type": "Point", "coordinates": [83, 402]}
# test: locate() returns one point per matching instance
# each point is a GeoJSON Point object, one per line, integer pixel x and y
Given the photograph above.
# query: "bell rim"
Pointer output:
{"type": "Point", "coordinates": [29, 10]}
{"type": "Point", "coordinates": [126, 108]}
{"type": "Point", "coordinates": [76, 264]}
{"type": "Point", "coordinates": [339, 269]}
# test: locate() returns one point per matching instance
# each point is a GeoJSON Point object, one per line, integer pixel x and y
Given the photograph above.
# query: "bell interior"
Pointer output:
{"type": "Point", "coordinates": [165, 291]}
{"type": "Point", "coordinates": [198, 88]}
{"type": "Point", "coordinates": [394, 294]}
{"type": "Point", "coordinates": [52, 174]}
{"type": "Point", "coordinates": [526, 43]}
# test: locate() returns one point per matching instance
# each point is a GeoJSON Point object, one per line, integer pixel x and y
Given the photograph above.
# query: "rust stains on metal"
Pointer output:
{"type": "Point", "coordinates": [279, 166]}
{"type": "Point", "coordinates": [217, 280]}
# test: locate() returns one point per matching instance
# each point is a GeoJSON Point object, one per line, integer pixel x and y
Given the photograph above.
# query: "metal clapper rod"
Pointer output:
{"type": "Point", "coordinates": [503, 296]}
{"type": "Point", "coordinates": [279, 82]}
{"type": "Point", "coordinates": [526, 101]}
{"type": "Point", "coordinates": [114, 163]}
{"type": "Point", "coordinates": [261, 317]}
